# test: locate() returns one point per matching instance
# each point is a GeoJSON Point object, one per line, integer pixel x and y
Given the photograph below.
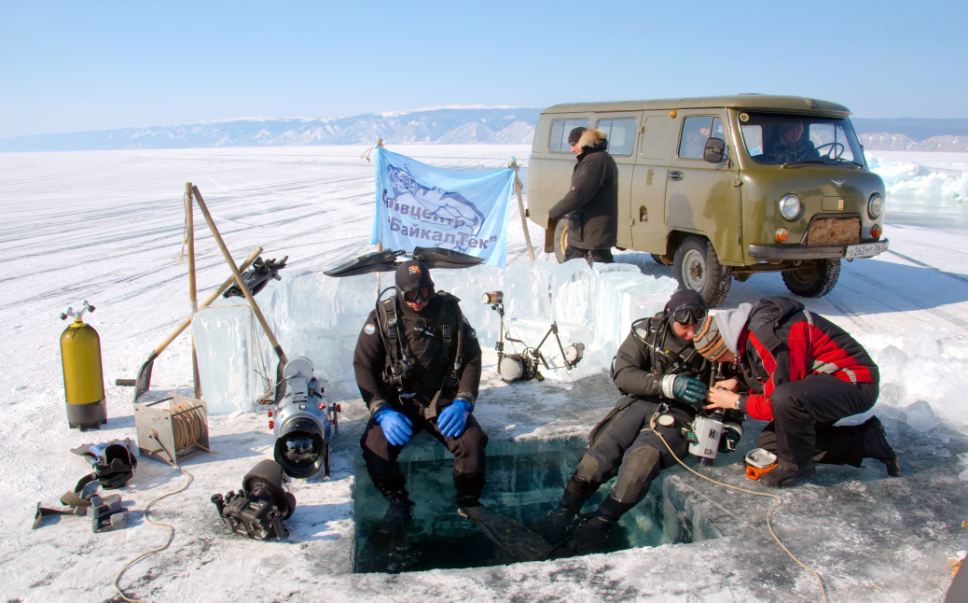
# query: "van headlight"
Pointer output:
{"type": "Point", "coordinates": [875, 205]}
{"type": "Point", "coordinates": [790, 207]}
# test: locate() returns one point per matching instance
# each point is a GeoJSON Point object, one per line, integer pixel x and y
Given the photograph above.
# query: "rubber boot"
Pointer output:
{"type": "Point", "coordinates": [877, 447]}
{"type": "Point", "coordinates": [592, 535]}
{"type": "Point", "coordinates": [562, 520]}
{"type": "Point", "coordinates": [789, 474]}
{"type": "Point", "coordinates": [400, 509]}
{"type": "Point", "coordinates": [469, 487]}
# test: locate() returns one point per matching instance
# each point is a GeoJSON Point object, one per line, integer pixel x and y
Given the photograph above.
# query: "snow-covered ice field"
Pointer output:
{"type": "Point", "coordinates": [108, 227]}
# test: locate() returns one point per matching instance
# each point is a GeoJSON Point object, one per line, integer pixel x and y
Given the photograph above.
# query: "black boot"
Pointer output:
{"type": "Point", "coordinates": [789, 474]}
{"type": "Point", "coordinates": [469, 487]}
{"type": "Point", "coordinates": [590, 537]}
{"type": "Point", "coordinates": [877, 447]}
{"type": "Point", "coordinates": [386, 548]}
{"type": "Point", "coordinates": [400, 510]}
{"type": "Point", "coordinates": [563, 519]}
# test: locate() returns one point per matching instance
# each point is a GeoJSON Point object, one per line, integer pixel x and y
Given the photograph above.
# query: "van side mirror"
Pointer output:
{"type": "Point", "coordinates": [715, 150]}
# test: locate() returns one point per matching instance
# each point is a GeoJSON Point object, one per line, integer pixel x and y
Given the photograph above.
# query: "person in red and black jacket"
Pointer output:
{"type": "Point", "coordinates": [813, 382]}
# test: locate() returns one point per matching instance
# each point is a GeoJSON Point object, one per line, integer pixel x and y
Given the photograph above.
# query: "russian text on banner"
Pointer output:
{"type": "Point", "coordinates": [419, 205]}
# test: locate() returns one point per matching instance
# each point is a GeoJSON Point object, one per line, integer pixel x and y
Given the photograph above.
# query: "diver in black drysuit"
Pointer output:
{"type": "Point", "coordinates": [657, 369]}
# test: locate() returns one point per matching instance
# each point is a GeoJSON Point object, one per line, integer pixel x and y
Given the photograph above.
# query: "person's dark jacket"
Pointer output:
{"type": "Point", "coordinates": [592, 201]}
{"type": "Point", "coordinates": [650, 352]}
{"type": "Point", "coordinates": [432, 360]}
{"type": "Point", "coordinates": [782, 342]}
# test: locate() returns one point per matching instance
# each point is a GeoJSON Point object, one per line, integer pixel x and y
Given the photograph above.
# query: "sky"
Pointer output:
{"type": "Point", "coordinates": [70, 66]}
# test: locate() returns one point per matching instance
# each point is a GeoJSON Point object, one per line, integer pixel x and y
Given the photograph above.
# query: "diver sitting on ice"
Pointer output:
{"type": "Point", "coordinates": [664, 382]}
{"type": "Point", "coordinates": [418, 367]}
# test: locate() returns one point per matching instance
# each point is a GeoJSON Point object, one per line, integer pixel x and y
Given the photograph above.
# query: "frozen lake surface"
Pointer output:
{"type": "Point", "coordinates": [108, 227]}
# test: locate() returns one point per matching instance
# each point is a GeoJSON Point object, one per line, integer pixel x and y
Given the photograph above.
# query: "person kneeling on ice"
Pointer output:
{"type": "Point", "coordinates": [418, 366]}
{"type": "Point", "coordinates": [805, 375]}
{"type": "Point", "coordinates": [663, 381]}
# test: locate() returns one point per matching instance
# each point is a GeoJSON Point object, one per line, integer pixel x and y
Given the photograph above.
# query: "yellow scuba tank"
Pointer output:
{"type": "Point", "coordinates": [83, 378]}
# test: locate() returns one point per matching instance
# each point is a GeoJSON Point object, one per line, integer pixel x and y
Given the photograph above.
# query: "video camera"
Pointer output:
{"type": "Point", "coordinates": [258, 509]}
{"type": "Point", "coordinates": [302, 422]}
{"type": "Point", "coordinates": [710, 432]}
{"type": "Point", "coordinates": [525, 366]}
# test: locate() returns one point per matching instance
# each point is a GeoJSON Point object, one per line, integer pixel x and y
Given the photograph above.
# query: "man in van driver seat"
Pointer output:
{"type": "Point", "coordinates": [791, 146]}
{"type": "Point", "coordinates": [591, 206]}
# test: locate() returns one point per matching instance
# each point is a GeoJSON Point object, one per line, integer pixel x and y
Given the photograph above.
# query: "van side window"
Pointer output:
{"type": "Point", "coordinates": [696, 130]}
{"type": "Point", "coordinates": [558, 143]}
{"type": "Point", "coordinates": [620, 134]}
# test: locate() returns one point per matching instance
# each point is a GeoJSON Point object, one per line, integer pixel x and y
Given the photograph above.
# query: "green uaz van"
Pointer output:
{"type": "Point", "coordinates": [723, 187]}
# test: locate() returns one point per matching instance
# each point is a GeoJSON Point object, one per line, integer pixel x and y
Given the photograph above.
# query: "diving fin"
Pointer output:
{"type": "Point", "coordinates": [378, 261]}
{"type": "Point", "coordinates": [510, 536]}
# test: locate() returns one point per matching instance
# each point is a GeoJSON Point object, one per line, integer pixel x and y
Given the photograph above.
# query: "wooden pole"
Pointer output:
{"type": "Point", "coordinates": [208, 301]}
{"type": "Point", "coordinates": [239, 280]}
{"type": "Point", "coordinates": [192, 282]}
{"type": "Point", "coordinates": [143, 381]}
{"type": "Point", "coordinates": [524, 222]}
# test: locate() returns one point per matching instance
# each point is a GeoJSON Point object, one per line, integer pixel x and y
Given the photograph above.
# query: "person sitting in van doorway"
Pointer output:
{"type": "Point", "coordinates": [809, 378]}
{"type": "Point", "coordinates": [591, 206]}
{"type": "Point", "coordinates": [791, 146]}
{"type": "Point", "coordinates": [663, 381]}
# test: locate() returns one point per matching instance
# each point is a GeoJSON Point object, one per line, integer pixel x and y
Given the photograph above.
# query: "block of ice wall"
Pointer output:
{"type": "Point", "coordinates": [321, 317]}
{"type": "Point", "coordinates": [235, 360]}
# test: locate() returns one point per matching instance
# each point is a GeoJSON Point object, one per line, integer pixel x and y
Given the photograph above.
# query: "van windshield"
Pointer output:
{"type": "Point", "coordinates": [776, 139]}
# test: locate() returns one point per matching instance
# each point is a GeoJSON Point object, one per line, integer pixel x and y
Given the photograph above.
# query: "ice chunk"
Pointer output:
{"type": "Point", "coordinates": [321, 317]}
{"type": "Point", "coordinates": [235, 361]}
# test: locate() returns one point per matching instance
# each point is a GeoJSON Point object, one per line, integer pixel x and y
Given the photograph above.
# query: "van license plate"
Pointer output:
{"type": "Point", "coordinates": [865, 250]}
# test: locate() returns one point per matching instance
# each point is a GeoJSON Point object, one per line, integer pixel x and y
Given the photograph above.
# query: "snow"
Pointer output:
{"type": "Point", "coordinates": [108, 227]}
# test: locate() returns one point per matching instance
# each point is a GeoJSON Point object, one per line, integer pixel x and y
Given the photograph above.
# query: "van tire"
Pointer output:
{"type": "Point", "coordinates": [815, 278]}
{"type": "Point", "coordinates": [697, 267]}
{"type": "Point", "coordinates": [561, 239]}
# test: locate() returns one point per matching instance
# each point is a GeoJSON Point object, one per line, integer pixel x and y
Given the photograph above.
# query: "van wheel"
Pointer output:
{"type": "Point", "coordinates": [697, 267]}
{"type": "Point", "coordinates": [561, 240]}
{"type": "Point", "coordinates": [814, 279]}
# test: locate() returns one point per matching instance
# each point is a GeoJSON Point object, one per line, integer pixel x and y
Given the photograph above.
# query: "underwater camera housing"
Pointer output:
{"type": "Point", "coordinates": [710, 434]}
{"type": "Point", "coordinates": [258, 509]}
{"type": "Point", "coordinates": [302, 422]}
{"type": "Point", "coordinates": [525, 366]}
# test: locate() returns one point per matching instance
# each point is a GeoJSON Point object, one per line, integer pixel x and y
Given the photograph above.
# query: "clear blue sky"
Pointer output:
{"type": "Point", "coordinates": [75, 66]}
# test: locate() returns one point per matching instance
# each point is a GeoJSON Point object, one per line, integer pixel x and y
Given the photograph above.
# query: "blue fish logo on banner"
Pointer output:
{"type": "Point", "coordinates": [419, 205]}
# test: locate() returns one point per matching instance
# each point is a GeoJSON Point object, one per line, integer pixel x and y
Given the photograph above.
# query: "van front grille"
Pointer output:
{"type": "Point", "coordinates": [833, 231]}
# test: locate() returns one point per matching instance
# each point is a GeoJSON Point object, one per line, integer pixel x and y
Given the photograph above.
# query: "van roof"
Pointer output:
{"type": "Point", "coordinates": [764, 102]}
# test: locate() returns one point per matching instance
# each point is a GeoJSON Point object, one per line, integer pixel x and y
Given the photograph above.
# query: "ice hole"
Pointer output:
{"type": "Point", "coordinates": [524, 481]}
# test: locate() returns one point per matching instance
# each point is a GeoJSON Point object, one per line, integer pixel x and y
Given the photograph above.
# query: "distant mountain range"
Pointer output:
{"type": "Point", "coordinates": [438, 126]}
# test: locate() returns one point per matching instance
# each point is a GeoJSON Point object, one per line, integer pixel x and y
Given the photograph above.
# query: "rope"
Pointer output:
{"type": "Point", "coordinates": [769, 513]}
{"type": "Point", "coordinates": [188, 424]}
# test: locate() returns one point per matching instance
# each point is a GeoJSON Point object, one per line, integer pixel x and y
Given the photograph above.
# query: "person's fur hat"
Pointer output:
{"type": "Point", "coordinates": [593, 138]}
{"type": "Point", "coordinates": [719, 332]}
{"type": "Point", "coordinates": [575, 134]}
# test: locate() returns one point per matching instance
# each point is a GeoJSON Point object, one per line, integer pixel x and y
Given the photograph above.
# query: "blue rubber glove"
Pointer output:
{"type": "Point", "coordinates": [688, 389]}
{"type": "Point", "coordinates": [395, 425]}
{"type": "Point", "coordinates": [452, 420]}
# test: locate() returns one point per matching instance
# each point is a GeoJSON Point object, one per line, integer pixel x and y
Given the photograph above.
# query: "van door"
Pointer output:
{"type": "Point", "coordinates": [702, 197]}
{"type": "Point", "coordinates": [647, 211]}
{"type": "Point", "coordinates": [621, 130]}
{"type": "Point", "coordinates": [551, 164]}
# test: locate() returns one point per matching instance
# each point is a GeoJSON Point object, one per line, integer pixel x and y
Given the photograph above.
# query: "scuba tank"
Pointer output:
{"type": "Point", "coordinates": [83, 378]}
